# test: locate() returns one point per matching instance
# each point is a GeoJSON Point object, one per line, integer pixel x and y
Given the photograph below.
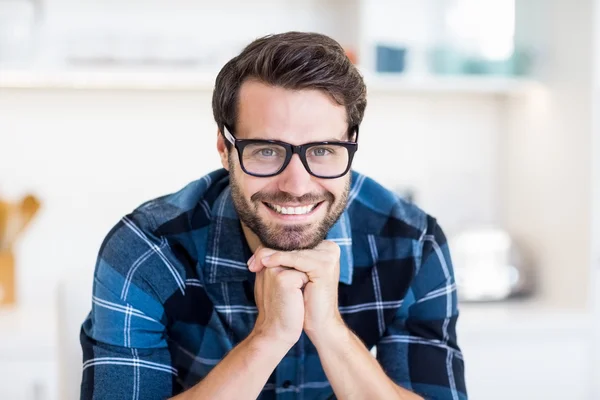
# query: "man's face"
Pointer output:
{"type": "Point", "coordinates": [295, 117]}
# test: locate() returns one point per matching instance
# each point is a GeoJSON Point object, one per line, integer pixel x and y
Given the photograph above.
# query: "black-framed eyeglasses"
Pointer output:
{"type": "Point", "coordinates": [265, 158]}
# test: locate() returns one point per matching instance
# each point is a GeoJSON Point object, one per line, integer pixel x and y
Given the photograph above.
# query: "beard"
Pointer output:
{"type": "Point", "coordinates": [287, 237]}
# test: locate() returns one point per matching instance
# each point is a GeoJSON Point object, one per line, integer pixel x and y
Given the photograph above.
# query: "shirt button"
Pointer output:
{"type": "Point", "coordinates": [287, 384]}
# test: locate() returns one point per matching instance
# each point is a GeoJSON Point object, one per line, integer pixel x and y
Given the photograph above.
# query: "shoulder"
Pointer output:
{"type": "Point", "coordinates": [376, 210]}
{"type": "Point", "coordinates": [153, 248]}
{"type": "Point", "coordinates": [195, 198]}
{"type": "Point", "coordinates": [406, 243]}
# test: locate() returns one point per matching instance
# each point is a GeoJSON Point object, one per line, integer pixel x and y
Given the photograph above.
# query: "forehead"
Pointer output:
{"type": "Point", "coordinates": [294, 116]}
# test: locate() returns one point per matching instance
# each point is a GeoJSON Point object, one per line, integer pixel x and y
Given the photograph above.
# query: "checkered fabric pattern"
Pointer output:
{"type": "Point", "coordinates": [172, 295]}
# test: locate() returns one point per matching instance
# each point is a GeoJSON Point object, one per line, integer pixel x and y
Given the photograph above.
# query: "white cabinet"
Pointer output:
{"type": "Point", "coordinates": [28, 359]}
{"type": "Point", "coordinates": [526, 351]}
{"type": "Point", "coordinates": [28, 380]}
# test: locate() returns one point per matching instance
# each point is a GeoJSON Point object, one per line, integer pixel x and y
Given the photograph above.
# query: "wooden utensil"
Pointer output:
{"type": "Point", "coordinates": [18, 216]}
{"type": "Point", "coordinates": [3, 222]}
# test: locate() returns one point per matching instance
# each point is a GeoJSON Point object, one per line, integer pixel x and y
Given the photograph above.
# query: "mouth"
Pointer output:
{"type": "Point", "coordinates": [292, 210]}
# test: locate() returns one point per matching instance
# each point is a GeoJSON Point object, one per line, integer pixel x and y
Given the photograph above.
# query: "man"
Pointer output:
{"type": "Point", "coordinates": [275, 276]}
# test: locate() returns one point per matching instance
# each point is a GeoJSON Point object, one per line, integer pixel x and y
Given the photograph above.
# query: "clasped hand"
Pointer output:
{"type": "Point", "coordinates": [297, 290]}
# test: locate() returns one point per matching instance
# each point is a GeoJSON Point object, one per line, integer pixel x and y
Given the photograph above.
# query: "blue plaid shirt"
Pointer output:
{"type": "Point", "coordinates": [172, 295]}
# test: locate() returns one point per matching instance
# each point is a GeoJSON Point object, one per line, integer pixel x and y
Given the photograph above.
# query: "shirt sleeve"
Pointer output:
{"type": "Point", "coordinates": [419, 349]}
{"type": "Point", "coordinates": [124, 341]}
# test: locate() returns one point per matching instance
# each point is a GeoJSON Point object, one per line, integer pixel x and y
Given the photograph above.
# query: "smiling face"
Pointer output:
{"type": "Point", "coordinates": [292, 210]}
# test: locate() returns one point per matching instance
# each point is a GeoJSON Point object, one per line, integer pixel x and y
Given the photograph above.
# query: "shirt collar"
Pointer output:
{"type": "Point", "coordinates": [227, 250]}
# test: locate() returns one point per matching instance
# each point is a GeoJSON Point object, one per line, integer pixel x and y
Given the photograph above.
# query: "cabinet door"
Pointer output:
{"type": "Point", "coordinates": [524, 367]}
{"type": "Point", "coordinates": [595, 242]}
{"type": "Point", "coordinates": [28, 380]}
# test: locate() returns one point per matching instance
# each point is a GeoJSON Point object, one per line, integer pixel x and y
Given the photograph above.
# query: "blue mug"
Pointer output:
{"type": "Point", "coordinates": [390, 59]}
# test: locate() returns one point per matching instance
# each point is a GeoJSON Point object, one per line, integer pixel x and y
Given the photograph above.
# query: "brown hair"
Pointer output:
{"type": "Point", "coordinates": [291, 60]}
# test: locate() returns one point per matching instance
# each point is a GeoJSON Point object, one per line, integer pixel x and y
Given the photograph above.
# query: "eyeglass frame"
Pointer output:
{"type": "Point", "coordinates": [290, 150]}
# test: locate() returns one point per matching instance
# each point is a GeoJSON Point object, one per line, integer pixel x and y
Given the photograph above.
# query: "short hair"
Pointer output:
{"type": "Point", "coordinates": [291, 60]}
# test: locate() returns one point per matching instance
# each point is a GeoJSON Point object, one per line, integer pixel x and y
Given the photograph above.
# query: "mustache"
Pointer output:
{"type": "Point", "coordinates": [284, 197]}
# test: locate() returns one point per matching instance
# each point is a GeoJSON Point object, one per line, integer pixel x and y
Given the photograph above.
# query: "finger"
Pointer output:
{"type": "Point", "coordinates": [258, 284]}
{"type": "Point", "coordinates": [251, 259]}
{"type": "Point", "coordinates": [257, 265]}
{"type": "Point", "coordinates": [254, 263]}
{"type": "Point", "coordinates": [261, 278]}
{"type": "Point", "coordinates": [290, 278]}
{"type": "Point", "coordinates": [329, 247]}
{"type": "Point", "coordinates": [303, 261]}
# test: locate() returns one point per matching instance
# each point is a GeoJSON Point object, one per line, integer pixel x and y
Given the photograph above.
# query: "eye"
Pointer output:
{"type": "Point", "coordinates": [266, 152]}
{"type": "Point", "coordinates": [321, 151]}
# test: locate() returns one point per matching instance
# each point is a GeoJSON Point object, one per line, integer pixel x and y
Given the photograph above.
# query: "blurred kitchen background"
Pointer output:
{"type": "Point", "coordinates": [483, 112]}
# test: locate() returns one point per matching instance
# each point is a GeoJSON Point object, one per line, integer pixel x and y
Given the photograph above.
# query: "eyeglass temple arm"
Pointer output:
{"type": "Point", "coordinates": [228, 135]}
{"type": "Point", "coordinates": [354, 131]}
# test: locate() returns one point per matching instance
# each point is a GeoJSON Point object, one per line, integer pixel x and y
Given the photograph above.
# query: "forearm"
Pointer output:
{"type": "Point", "coordinates": [242, 374]}
{"type": "Point", "coordinates": [352, 370]}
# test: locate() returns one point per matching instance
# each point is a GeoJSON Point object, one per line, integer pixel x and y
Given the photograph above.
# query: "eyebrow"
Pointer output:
{"type": "Point", "coordinates": [330, 139]}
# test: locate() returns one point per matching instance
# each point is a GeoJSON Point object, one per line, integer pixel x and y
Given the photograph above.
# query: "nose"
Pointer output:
{"type": "Point", "coordinates": [295, 179]}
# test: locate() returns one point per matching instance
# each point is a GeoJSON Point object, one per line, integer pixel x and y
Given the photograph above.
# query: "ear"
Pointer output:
{"type": "Point", "coordinates": [222, 149]}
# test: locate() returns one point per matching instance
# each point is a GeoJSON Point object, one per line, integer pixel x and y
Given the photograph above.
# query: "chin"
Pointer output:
{"type": "Point", "coordinates": [292, 238]}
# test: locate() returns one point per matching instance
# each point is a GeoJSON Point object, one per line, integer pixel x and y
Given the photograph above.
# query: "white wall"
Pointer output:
{"type": "Point", "coordinates": [94, 155]}
{"type": "Point", "coordinates": [594, 285]}
{"type": "Point", "coordinates": [471, 158]}
{"type": "Point", "coordinates": [445, 146]}
{"type": "Point", "coordinates": [546, 193]}
{"type": "Point", "coordinates": [212, 30]}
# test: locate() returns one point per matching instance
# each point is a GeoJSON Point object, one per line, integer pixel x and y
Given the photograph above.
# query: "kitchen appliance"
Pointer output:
{"type": "Point", "coordinates": [489, 265]}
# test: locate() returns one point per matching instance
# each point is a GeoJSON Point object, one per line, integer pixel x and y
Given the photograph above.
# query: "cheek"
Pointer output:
{"type": "Point", "coordinates": [335, 187]}
{"type": "Point", "coordinates": [251, 185]}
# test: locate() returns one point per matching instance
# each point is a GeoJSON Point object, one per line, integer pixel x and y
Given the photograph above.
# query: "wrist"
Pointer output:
{"type": "Point", "coordinates": [334, 333]}
{"type": "Point", "coordinates": [268, 340]}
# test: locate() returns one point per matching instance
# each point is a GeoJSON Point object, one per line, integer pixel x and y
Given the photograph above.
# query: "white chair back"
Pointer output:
{"type": "Point", "coordinates": [74, 304]}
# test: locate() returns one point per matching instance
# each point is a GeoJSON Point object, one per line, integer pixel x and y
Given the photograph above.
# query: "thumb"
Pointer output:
{"type": "Point", "coordinates": [255, 262]}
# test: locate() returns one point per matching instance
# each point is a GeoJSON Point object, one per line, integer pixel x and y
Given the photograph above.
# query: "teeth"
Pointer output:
{"type": "Point", "coordinates": [292, 210]}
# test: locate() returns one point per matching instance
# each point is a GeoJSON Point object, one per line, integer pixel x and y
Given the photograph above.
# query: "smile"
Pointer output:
{"type": "Point", "coordinates": [292, 210]}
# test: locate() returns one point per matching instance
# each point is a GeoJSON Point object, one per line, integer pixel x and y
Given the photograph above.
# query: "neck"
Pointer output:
{"type": "Point", "coordinates": [251, 238]}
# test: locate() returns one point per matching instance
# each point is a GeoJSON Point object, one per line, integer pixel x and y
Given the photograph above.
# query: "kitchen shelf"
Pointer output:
{"type": "Point", "coordinates": [193, 80]}
{"type": "Point", "coordinates": [476, 84]}
{"type": "Point", "coordinates": [107, 78]}
{"type": "Point", "coordinates": [519, 317]}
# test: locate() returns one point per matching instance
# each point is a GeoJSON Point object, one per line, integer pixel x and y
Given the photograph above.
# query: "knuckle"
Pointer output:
{"type": "Point", "coordinates": [295, 257]}
{"type": "Point", "coordinates": [260, 253]}
{"type": "Point", "coordinates": [270, 272]}
{"type": "Point", "coordinates": [281, 278]}
{"type": "Point", "coordinates": [333, 248]}
{"type": "Point", "coordinates": [336, 249]}
{"type": "Point", "coordinates": [330, 245]}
